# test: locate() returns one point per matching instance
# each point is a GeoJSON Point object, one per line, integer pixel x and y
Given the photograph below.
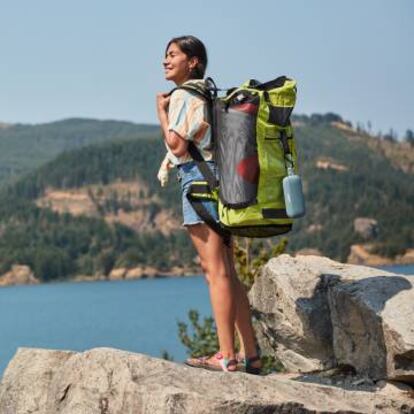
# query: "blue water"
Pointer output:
{"type": "Point", "coordinates": [403, 269]}
{"type": "Point", "coordinates": [137, 315]}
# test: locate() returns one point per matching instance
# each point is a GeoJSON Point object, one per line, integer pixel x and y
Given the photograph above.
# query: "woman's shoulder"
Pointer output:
{"type": "Point", "coordinates": [186, 94]}
{"type": "Point", "coordinates": [182, 98]}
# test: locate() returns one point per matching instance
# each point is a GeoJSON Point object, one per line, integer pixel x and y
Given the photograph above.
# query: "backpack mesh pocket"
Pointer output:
{"type": "Point", "coordinates": [236, 154]}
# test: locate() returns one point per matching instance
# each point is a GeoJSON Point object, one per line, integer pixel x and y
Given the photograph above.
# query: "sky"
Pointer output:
{"type": "Point", "coordinates": [103, 59]}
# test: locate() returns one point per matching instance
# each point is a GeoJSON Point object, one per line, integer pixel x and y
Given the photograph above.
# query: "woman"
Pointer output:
{"type": "Point", "coordinates": [184, 117]}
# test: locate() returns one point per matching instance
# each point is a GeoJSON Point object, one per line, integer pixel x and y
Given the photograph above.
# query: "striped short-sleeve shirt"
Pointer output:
{"type": "Point", "coordinates": [188, 117]}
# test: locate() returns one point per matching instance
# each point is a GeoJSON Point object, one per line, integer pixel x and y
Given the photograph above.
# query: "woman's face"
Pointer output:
{"type": "Point", "coordinates": [177, 65]}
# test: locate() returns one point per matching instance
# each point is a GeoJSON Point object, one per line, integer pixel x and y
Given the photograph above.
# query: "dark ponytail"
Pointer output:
{"type": "Point", "coordinates": [192, 47]}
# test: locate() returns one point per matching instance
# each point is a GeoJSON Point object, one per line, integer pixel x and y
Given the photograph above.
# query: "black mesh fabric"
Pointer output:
{"type": "Point", "coordinates": [236, 155]}
{"type": "Point", "coordinates": [280, 115]}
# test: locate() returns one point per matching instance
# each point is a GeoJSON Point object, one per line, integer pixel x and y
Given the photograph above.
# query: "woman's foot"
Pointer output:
{"type": "Point", "coordinates": [251, 365]}
{"type": "Point", "coordinates": [217, 362]}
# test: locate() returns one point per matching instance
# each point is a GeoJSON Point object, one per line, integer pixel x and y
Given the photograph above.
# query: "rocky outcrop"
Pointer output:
{"type": "Point", "coordinates": [366, 227]}
{"type": "Point", "coordinates": [407, 257]}
{"type": "Point", "coordinates": [18, 275]}
{"type": "Point", "coordinates": [314, 228]}
{"type": "Point", "coordinates": [111, 381]}
{"type": "Point", "coordinates": [327, 164]}
{"type": "Point", "coordinates": [365, 254]}
{"type": "Point", "coordinates": [308, 252]}
{"type": "Point", "coordinates": [142, 272]}
{"type": "Point", "coordinates": [125, 202]}
{"type": "Point", "coordinates": [314, 313]}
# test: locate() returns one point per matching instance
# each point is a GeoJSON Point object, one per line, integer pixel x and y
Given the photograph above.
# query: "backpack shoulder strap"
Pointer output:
{"type": "Point", "coordinates": [208, 95]}
{"type": "Point", "coordinates": [192, 148]}
{"type": "Point", "coordinates": [202, 166]}
{"type": "Point", "coordinates": [193, 89]}
{"type": "Point", "coordinates": [198, 206]}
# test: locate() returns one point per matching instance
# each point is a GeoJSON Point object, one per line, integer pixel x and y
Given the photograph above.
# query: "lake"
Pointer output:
{"type": "Point", "coordinates": [135, 315]}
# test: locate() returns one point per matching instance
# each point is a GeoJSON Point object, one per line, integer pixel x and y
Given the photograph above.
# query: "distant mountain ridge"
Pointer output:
{"type": "Point", "coordinates": [24, 147]}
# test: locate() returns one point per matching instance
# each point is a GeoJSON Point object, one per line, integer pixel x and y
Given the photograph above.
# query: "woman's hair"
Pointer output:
{"type": "Point", "coordinates": [192, 47]}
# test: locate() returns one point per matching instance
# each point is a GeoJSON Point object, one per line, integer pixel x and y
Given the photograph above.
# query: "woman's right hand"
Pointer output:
{"type": "Point", "coordinates": [163, 100]}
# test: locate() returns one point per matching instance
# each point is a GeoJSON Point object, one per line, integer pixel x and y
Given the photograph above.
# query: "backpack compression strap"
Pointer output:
{"type": "Point", "coordinates": [199, 208]}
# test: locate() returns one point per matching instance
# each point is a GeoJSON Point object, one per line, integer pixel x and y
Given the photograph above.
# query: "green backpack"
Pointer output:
{"type": "Point", "coordinates": [254, 144]}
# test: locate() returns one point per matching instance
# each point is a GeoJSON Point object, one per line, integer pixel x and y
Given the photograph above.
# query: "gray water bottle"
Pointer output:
{"type": "Point", "coordinates": [292, 190]}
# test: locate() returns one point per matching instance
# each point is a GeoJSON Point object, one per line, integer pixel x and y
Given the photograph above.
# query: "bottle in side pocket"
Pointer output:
{"type": "Point", "coordinates": [293, 193]}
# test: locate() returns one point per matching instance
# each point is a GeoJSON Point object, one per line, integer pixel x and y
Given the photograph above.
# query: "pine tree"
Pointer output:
{"type": "Point", "coordinates": [409, 137]}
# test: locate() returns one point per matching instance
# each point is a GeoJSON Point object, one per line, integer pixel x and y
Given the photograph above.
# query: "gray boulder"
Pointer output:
{"type": "Point", "coordinates": [111, 381]}
{"type": "Point", "coordinates": [314, 313]}
{"type": "Point", "coordinates": [373, 326]}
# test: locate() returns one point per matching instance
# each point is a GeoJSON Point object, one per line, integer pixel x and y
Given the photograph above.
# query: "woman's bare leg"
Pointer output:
{"type": "Point", "coordinates": [243, 315]}
{"type": "Point", "coordinates": [221, 282]}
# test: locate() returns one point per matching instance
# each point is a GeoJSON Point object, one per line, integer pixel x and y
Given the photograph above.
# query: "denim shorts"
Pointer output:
{"type": "Point", "coordinates": [187, 173]}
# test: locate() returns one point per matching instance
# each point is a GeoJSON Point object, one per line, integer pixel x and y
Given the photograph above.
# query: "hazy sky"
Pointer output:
{"type": "Point", "coordinates": [102, 59]}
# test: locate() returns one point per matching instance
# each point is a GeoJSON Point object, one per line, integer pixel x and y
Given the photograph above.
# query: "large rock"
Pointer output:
{"type": "Point", "coordinates": [110, 381]}
{"type": "Point", "coordinates": [373, 326]}
{"type": "Point", "coordinates": [366, 227]}
{"type": "Point", "coordinates": [117, 273]}
{"type": "Point", "coordinates": [27, 378]}
{"type": "Point", "coordinates": [407, 257]}
{"type": "Point", "coordinates": [363, 254]}
{"type": "Point", "coordinates": [314, 313]}
{"type": "Point", "coordinates": [291, 308]}
{"type": "Point", "coordinates": [18, 275]}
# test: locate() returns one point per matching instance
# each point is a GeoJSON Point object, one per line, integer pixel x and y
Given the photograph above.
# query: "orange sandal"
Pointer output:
{"type": "Point", "coordinates": [203, 362]}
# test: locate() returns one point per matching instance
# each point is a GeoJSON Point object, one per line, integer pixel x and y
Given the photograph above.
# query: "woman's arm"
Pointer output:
{"type": "Point", "coordinates": [175, 142]}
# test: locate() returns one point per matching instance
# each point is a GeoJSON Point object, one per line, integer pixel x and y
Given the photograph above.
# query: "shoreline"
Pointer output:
{"type": "Point", "coordinates": [146, 272]}
{"type": "Point", "coordinates": [22, 275]}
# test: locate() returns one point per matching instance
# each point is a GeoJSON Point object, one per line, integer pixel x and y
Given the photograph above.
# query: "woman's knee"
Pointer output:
{"type": "Point", "coordinates": [217, 273]}
{"type": "Point", "coordinates": [204, 269]}
{"type": "Point", "coordinates": [203, 264]}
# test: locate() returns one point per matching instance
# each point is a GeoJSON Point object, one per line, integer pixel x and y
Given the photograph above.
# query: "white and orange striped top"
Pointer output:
{"type": "Point", "coordinates": [188, 117]}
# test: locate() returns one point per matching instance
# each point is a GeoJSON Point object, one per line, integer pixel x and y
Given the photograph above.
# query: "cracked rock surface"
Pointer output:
{"type": "Point", "coordinates": [112, 381]}
{"type": "Point", "coordinates": [316, 314]}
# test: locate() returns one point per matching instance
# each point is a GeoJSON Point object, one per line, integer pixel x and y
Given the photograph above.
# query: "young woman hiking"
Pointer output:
{"type": "Point", "coordinates": [184, 117]}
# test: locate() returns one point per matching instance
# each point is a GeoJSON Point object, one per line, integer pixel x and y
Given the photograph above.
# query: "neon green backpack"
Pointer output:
{"type": "Point", "coordinates": [254, 144]}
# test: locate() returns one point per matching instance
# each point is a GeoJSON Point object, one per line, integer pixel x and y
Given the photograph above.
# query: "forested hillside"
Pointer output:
{"type": "Point", "coordinates": [344, 178]}
{"type": "Point", "coordinates": [24, 147]}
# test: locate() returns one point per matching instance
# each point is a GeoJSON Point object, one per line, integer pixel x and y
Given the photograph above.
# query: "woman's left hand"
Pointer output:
{"type": "Point", "coordinates": [163, 101]}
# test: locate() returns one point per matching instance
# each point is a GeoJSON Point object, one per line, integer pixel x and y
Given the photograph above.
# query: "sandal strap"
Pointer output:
{"type": "Point", "coordinates": [198, 361]}
{"type": "Point", "coordinates": [249, 368]}
{"type": "Point", "coordinates": [247, 361]}
{"type": "Point", "coordinates": [252, 359]}
{"type": "Point", "coordinates": [225, 362]}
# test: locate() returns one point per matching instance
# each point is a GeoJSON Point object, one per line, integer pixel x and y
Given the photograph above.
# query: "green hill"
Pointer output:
{"type": "Point", "coordinates": [344, 178]}
{"type": "Point", "coordinates": [369, 185]}
{"type": "Point", "coordinates": [25, 147]}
